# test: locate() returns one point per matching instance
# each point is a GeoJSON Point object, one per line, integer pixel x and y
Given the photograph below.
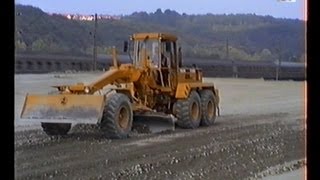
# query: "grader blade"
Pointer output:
{"type": "Point", "coordinates": [63, 108]}
{"type": "Point", "coordinates": [150, 122]}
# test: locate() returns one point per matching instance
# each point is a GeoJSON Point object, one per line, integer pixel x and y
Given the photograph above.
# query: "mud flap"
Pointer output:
{"type": "Point", "coordinates": [153, 122]}
{"type": "Point", "coordinates": [63, 108]}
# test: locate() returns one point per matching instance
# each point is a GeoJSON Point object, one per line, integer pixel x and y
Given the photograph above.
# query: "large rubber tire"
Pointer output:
{"type": "Point", "coordinates": [188, 111]}
{"type": "Point", "coordinates": [208, 108]}
{"type": "Point", "coordinates": [117, 117]}
{"type": "Point", "coordinates": [53, 129]}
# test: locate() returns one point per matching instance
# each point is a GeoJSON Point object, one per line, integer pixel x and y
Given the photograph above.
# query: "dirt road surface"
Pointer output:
{"type": "Point", "coordinates": [261, 132]}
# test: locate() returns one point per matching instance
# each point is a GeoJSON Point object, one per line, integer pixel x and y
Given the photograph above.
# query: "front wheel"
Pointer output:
{"type": "Point", "coordinates": [117, 117]}
{"type": "Point", "coordinates": [54, 129]}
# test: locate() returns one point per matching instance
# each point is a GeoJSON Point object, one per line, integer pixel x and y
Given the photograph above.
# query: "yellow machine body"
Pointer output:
{"type": "Point", "coordinates": [150, 83]}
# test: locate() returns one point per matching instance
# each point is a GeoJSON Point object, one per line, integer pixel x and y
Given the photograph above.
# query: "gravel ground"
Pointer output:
{"type": "Point", "coordinates": [260, 133]}
{"type": "Point", "coordinates": [298, 174]}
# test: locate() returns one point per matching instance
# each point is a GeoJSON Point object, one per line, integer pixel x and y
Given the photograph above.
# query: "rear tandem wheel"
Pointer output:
{"type": "Point", "coordinates": [208, 107]}
{"type": "Point", "coordinates": [188, 111]}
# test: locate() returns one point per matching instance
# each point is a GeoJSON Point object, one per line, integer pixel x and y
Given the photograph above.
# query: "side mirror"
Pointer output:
{"type": "Point", "coordinates": [168, 46]}
{"type": "Point", "coordinates": [125, 46]}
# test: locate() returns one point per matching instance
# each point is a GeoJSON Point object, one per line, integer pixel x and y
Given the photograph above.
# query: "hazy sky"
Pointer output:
{"type": "Point", "coordinates": [118, 7]}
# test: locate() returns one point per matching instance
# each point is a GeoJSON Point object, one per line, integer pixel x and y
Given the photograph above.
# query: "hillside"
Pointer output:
{"type": "Point", "coordinates": [250, 37]}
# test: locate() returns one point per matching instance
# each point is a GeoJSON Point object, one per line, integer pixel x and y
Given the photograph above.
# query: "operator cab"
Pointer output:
{"type": "Point", "coordinates": [156, 51]}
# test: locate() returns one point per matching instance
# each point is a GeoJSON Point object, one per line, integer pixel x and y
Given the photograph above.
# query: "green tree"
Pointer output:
{"type": "Point", "coordinates": [39, 45]}
{"type": "Point", "coordinates": [266, 55]}
{"type": "Point", "coordinates": [20, 46]}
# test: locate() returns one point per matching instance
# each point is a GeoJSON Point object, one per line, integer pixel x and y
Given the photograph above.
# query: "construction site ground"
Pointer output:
{"type": "Point", "coordinates": [260, 133]}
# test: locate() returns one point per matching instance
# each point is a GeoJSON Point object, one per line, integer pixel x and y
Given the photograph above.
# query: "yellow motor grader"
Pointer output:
{"type": "Point", "coordinates": [153, 86]}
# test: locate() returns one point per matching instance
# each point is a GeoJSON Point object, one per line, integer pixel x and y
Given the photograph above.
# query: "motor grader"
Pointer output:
{"type": "Point", "coordinates": [154, 85]}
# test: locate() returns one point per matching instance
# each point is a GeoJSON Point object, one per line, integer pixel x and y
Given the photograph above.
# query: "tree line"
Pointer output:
{"type": "Point", "coordinates": [232, 36]}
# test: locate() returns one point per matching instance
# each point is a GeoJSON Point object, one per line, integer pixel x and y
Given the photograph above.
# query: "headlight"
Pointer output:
{"type": "Point", "coordinates": [86, 90]}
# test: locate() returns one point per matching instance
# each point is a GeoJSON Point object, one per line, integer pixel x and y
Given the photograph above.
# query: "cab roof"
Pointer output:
{"type": "Point", "coordinates": [162, 36]}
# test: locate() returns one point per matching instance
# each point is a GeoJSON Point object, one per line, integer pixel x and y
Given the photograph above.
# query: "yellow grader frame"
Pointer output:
{"type": "Point", "coordinates": [154, 84]}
